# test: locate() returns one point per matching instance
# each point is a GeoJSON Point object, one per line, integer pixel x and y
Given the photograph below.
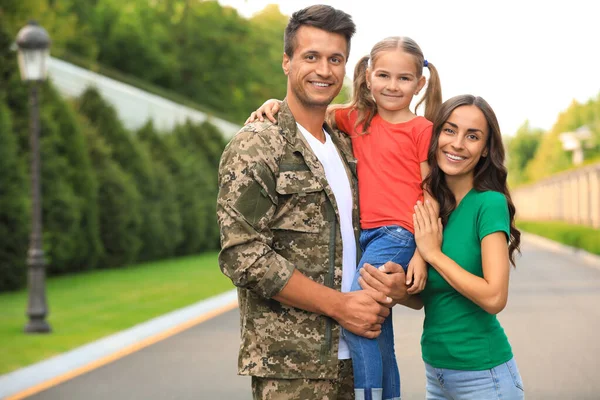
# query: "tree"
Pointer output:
{"type": "Point", "coordinates": [73, 182]}
{"type": "Point", "coordinates": [120, 166]}
{"type": "Point", "coordinates": [118, 203]}
{"type": "Point", "coordinates": [14, 208]}
{"type": "Point", "coordinates": [521, 150]}
{"type": "Point", "coordinates": [162, 199]}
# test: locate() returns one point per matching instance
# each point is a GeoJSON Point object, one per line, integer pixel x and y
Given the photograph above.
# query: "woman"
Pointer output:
{"type": "Point", "coordinates": [469, 248]}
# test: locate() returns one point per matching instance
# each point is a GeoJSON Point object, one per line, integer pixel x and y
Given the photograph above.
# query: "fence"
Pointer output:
{"type": "Point", "coordinates": [572, 196]}
{"type": "Point", "coordinates": [134, 106]}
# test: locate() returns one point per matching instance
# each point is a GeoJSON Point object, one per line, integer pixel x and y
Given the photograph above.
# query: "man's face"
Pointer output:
{"type": "Point", "coordinates": [317, 68]}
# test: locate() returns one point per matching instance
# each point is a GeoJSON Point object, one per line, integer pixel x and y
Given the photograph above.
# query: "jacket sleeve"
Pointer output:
{"type": "Point", "coordinates": [246, 204]}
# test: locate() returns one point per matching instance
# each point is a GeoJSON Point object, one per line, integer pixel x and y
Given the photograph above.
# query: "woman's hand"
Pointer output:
{"type": "Point", "coordinates": [428, 230]}
{"type": "Point", "coordinates": [269, 108]}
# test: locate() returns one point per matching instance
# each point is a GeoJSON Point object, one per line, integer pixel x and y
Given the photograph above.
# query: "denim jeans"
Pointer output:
{"type": "Point", "coordinates": [376, 373]}
{"type": "Point", "coordinates": [501, 382]}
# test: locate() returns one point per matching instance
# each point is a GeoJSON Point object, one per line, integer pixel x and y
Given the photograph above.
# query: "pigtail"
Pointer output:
{"type": "Point", "coordinates": [433, 93]}
{"type": "Point", "coordinates": [362, 100]}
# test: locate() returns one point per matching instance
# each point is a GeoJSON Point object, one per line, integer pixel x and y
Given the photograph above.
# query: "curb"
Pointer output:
{"type": "Point", "coordinates": [587, 258]}
{"type": "Point", "coordinates": [53, 371]}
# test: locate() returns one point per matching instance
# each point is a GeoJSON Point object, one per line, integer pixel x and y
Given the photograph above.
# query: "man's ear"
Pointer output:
{"type": "Point", "coordinates": [285, 64]}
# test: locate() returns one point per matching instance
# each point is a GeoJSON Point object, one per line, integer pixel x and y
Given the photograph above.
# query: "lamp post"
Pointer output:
{"type": "Point", "coordinates": [576, 141]}
{"type": "Point", "coordinates": [33, 44]}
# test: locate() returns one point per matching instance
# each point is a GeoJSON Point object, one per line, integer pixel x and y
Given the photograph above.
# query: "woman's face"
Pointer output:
{"type": "Point", "coordinates": [462, 142]}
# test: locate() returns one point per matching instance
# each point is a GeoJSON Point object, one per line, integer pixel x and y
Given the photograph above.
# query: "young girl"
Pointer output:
{"type": "Point", "coordinates": [390, 143]}
{"type": "Point", "coordinates": [466, 352]}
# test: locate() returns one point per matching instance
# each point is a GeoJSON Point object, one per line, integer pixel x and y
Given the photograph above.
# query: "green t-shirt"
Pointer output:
{"type": "Point", "coordinates": [457, 333]}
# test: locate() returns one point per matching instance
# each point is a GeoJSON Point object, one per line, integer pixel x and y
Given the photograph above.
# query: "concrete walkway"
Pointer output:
{"type": "Point", "coordinates": [96, 354]}
{"type": "Point", "coordinates": [552, 321]}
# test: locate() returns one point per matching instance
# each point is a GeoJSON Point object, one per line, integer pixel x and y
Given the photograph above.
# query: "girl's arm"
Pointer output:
{"type": "Point", "coordinates": [330, 118]}
{"type": "Point", "coordinates": [268, 109]}
{"type": "Point", "coordinates": [416, 275]}
{"type": "Point", "coordinates": [271, 107]}
{"type": "Point", "coordinates": [489, 292]}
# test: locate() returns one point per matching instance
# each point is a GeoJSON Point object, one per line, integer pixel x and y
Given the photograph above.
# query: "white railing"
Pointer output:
{"type": "Point", "coordinates": [134, 106]}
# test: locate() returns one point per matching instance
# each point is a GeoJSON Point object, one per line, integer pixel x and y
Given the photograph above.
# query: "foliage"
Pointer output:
{"type": "Point", "coordinates": [110, 148]}
{"type": "Point", "coordinates": [198, 49]}
{"type": "Point", "coordinates": [550, 157]}
{"type": "Point", "coordinates": [194, 165]}
{"type": "Point", "coordinates": [14, 185]}
{"type": "Point", "coordinates": [578, 236]}
{"type": "Point", "coordinates": [521, 149]}
{"type": "Point", "coordinates": [14, 208]}
{"type": "Point", "coordinates": [162, 195]}
{"type": "Point", "coordinates": [70, 204]}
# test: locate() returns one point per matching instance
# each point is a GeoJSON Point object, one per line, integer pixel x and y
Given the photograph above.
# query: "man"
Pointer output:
{"type": "Point", "coordinates": [288, 214]}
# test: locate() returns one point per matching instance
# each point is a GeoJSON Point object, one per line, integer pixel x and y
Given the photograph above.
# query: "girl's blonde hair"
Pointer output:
{"type": "Point", "coordinates": [363, 101]}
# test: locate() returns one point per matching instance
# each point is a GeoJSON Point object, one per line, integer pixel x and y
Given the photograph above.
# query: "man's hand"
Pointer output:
{"type": "Point", "coordinates": [363, 312]}
{"type": "Point", "coordinates": [389, 279]}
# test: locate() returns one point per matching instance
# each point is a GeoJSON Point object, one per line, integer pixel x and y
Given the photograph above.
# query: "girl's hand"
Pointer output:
{"type": "Point", "coordinates": [416, 275]}
{"type": "Point", "coordinates": [268, 109]}
{"type": "Point", "coordinates": [428, 230]}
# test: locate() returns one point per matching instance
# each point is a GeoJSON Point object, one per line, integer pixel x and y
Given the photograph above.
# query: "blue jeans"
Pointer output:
{"type": "Point", "coordinates": [501, 382]}
{"type": "Point", "coordinates": [376, 373]}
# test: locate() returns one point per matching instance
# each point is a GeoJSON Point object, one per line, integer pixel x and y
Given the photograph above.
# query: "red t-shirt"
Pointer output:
{"type": "Point", "coordinates": [389, 171]}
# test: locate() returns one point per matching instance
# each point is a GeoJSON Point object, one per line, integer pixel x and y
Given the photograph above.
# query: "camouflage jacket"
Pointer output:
{"type": "Point", "coordinates": [277, 213]}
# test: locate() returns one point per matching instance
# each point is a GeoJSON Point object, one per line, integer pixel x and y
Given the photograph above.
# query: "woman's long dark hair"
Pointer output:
{"type": "Point", "coordinates": [490, 172]}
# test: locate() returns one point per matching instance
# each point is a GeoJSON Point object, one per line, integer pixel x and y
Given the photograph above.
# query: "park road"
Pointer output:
{"type": "Point", "coordinates": [552, 321]}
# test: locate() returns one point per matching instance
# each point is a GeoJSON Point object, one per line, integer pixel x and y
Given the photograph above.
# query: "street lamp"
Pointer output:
{"type": "Point", "coordinates": [33, 44]}
{"type": "Point", "coordinates": [576, 141]}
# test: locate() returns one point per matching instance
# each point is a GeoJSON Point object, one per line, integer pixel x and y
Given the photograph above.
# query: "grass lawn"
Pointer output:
{"type": "Point", "coordinates": [89, 306]}
{"type": "Point", "coordinates": [579, 236]}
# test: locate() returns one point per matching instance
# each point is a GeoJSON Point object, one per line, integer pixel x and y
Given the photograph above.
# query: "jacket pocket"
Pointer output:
{"type": "Point", "coordinates": [257, 198]}
{"type": "Point", "coordinates": [300, 202]}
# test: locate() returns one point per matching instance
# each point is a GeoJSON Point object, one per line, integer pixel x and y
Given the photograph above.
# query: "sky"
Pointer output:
{"type": "Point", "coordinates": [529, 59]}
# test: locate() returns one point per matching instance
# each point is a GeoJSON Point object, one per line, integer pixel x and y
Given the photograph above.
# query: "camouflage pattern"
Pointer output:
{"type": "Point", "coordinates": [341, 388]}
{"type": "Point", "coordinates": [277, 213]}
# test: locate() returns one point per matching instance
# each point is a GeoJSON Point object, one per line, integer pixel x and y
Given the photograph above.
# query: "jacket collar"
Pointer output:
{"type": "Point", "coordinates": [289, 129]}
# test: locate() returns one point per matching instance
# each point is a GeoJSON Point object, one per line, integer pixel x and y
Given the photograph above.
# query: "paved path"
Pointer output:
{"type": "Point", "coordinates": [552, 320]}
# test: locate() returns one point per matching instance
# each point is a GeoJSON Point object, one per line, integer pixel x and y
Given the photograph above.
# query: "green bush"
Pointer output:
{"type": "Point", "coordinates": [579, 236]}
{"type": "Point", "coordinates": [14, 208]}
{"type": "Point", "coordinates": [118, 202]}
{"type": "Point", "coordinates": [110, 197]}
{"type": "Point", "coordinates": [162, 219]}
{"type": "Point", "coordinates": [70, 188]}
{"type": "Point", "coordinates": [121, 168]}
{"type": "Point", "coordinates": [195, 164]}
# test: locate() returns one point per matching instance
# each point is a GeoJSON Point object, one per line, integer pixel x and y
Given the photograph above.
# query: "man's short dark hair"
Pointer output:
{"type": "Point", "coordinates": [320, 16]}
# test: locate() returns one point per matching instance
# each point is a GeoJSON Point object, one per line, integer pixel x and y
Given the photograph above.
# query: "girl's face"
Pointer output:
{"type": "Point", "coordinates": [462, 142]}
{"type": "Point", "coordinates": [393, 80]}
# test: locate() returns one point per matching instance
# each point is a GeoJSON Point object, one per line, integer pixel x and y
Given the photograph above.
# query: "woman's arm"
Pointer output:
{"type": "Point", "coordinates": [417, 267]}
{"type": "Point", "coordinates": [490, 292]}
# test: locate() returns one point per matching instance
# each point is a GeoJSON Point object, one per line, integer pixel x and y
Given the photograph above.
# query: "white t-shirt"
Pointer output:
{"type": "Point", "coordinates": [339, 182]}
